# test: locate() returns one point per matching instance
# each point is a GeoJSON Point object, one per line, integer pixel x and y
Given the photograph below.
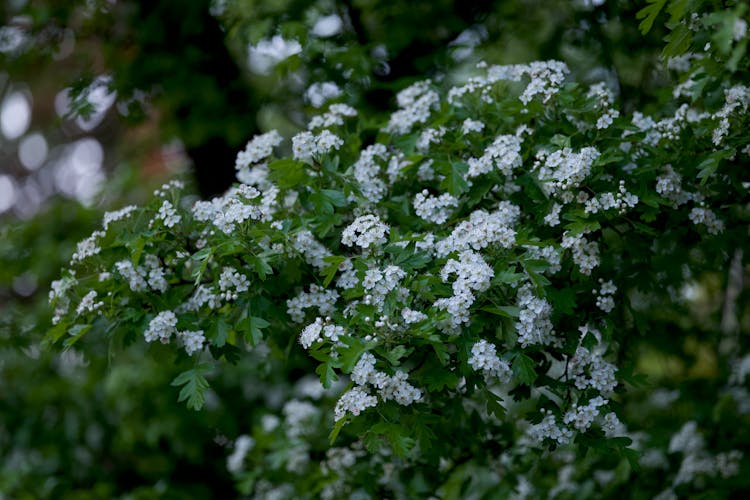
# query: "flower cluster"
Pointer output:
{"type": "Point", "coordinates": [416, 104]}
{"type": "Point", "coordinates": [366, 232]}
{"type": "Point", "coordinates": [484, 358]}
{"type": "Point", "coordinates": [445, 257]}
{"type": "Point", "coordinates": [435, 209]}
{"type": "Point", "coordinates": [604, 296]}
{"type": "Point", "coordinates": [258, 149]}
{"type": "Point", "coordinates": [306, 146]}
{"type": "Point", "coordinates": [388, 386]}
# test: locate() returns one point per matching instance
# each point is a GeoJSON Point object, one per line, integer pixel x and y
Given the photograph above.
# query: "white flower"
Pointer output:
{"type": "Point", "coordinates": [232, 283]}
{"type": "Point", "coordinates": [484, 358]}
{"type": "Point", "coordinates": [258, 149]}
{"type": "Point", "coordinates": [110, 217]}
{"type": "Point", "coordinates": [243, 445]}
{"type": "Point", "coordinates": [548, 428]}
{"type": "Point", "coordinates": [193, 340]}
{"type": "Point", "coordinates": [366, 231]}
{"type": "Point", "coordinates": [168, 214]}
{"type": "Point", "coordinates": [267, 53]}
{"type": "Point", "coordinates": [471, 270]}
{"type": "Point", "coordinates": [161, 327]}
{"type": "Point", "coordinates": [534, 325]}
{"type": "Point", "coordinates": [134, 275]}
{"type": "Point", "coordinates": [434, 209]}
{"type": "Point", "coordinates": [327, 26]}
{"type": "Point", "coordinates": [701, 215]}
{"type": "Point", "coordinates": [88, 303]}
{"type": "Point", "coordinates": [470, 125]}
{"type": "Point", "coordinates": [318, 297]}
{"type": "Point", "coordinates": [305, 145]}
{"type": "Point", "coordinates": [88, 247]}
{"type": "Point", "coordinates": [311, 333]}
{"type": "Point", "coordinates": [416, 103]}
{"type": "Point", "coordinates": [334, 116]}
{"type": "Point", "coordinates": [411, 316]}
{"type": "Point", "coordinates": [430, 136]}
{"type": "Point", "coordinates": [320, 92]}
{"type": "Point", "coordinates": [354, 401]}
{"type": "Point", "coordinates": [504, 154]}
{"type": "Point", "coordinates": [482, 230]}
{"type": "Point", "coordinates": [564, 169]}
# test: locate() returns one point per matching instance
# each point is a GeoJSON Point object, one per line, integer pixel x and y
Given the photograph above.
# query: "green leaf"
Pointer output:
{"type": "Point", "coordinates": [394, 355]}
{"type": "Point", "coordinates": [136, 247]}
{"type": "Point", "coordinates": [194, 386]}
{"type": "Point", "coordinates": [679, 40]}
{"type": "Point", "coordinates": [254, 334]}
{"type": "Point", "coordinates": [203, 256]}
{"type": "Point", "coordinates": [336, 198]}
{"type": "Point", "coordinates": [330, 271]}
{"type": "Point", "coordinates": [76, 332]}
{"type": "Point", "coordinates": [327, 375]}
{"type": "Point", "coordinates": [494, 405]}
{"type": "Point", "coordinates": [336, 430]}
{"type": "Point", "coordinates": [563, 301]}
{"type": "Point", "coordinates": [287, 173]}
{"type": "Point", "coordinates": [437, 376]}
{"type": "Point", "coordinates": [261, 266]}
{"type": "Point", "coordinates": [648, 14]}
{"type": "Point", "coordinates": [397, 435]}
{"type": "Point", "coordinates": [416, 260]}
{"type": "Point", "coordinates": [633, 458]}
{"type": "Point", "coordinates": [508, 277]}
{"type": "Point", "coordinates": [455, 182]}
{"type": "Point", "coordinates": [539, 280]}
{"type": "Point", "coordinates": [349, 355]}
{"type": "Point", "coordinates": [219, 332]}
{"type": "Point", "coordinates": [441, 352]}
{"type": "Point", "coordinates": [506, 311]}
{"type": "Point", "coordinates": [55, 333]}
{"type": "Point", "coordinates": [582, 227]}
{"type": "Point", "coordinates": [523, 369]}
{"type": "Point", "coordinates": [709, 166]}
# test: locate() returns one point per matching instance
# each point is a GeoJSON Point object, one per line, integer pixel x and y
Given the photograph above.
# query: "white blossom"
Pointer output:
{"type": "Point", "coordinates": [306, 146]}
{"type": "Point", "coordinates": [484, 358]}
{"type": "Point", "coordinates": [110, 217]}
{"type": "Point", "coordinates": [468, 126]}
{"type": "Point", "coordinates": [258, 149]}
{"type": "Point", "coordinates": [534, 325]}
{"type": "Point", "coordinates": [162, 327]}
{"type": "Point", "coordinates": [436, 209]}
{"type": "Point", "coordinates": [192, 340]}
{"type": "Point", "coordinates": [320, 92]}
{"type": "Point", "coordinates": [318, 297]}
{"type": "Point", "coordinates": [366, 231]}
{"type": "Point", "coordinates": [416, 104]}
{"type": "Point", "coordinates": [354, 401]}
{"type": "Point", "coordinates": [87, 247]}
{"type": "Point", "coordinates": [504, 154]}
{"type": "Point", "coordinates": [168, 214]}
{"type": "Point", "coordinates": [89, 303]}
{"type": "Point", "coordinates": [242, 446]}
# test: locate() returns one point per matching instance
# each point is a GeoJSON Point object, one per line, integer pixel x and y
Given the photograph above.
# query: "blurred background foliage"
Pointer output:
{"type": "Point", "coordinates": [103, 100]}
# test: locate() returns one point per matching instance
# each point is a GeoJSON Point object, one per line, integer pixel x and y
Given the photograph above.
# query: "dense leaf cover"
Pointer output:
{"type": "Point", "coordinates": [464, 279]}
{"type": "Point", "coordinates": [460, 299]}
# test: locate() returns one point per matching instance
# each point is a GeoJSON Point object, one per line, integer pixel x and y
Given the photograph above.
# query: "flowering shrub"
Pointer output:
{"type": "Point", "coordinates": [462, 281]}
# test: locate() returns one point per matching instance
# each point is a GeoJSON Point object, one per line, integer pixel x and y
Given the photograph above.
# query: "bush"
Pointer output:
{"type": "Point", "coordinates": [473, 282]}
{"type": "Point", "coordinates": [513, 285]}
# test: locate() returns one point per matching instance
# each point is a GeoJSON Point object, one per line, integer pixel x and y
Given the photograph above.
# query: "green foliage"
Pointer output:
{"type": "Point", "coordinates": [194, 386]}
{"type": "Point", "coordinates": [484, 340]}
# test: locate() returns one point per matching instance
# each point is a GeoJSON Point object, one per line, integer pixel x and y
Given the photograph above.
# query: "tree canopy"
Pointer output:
{"type": "Point", "coordinates": [483, 250]}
